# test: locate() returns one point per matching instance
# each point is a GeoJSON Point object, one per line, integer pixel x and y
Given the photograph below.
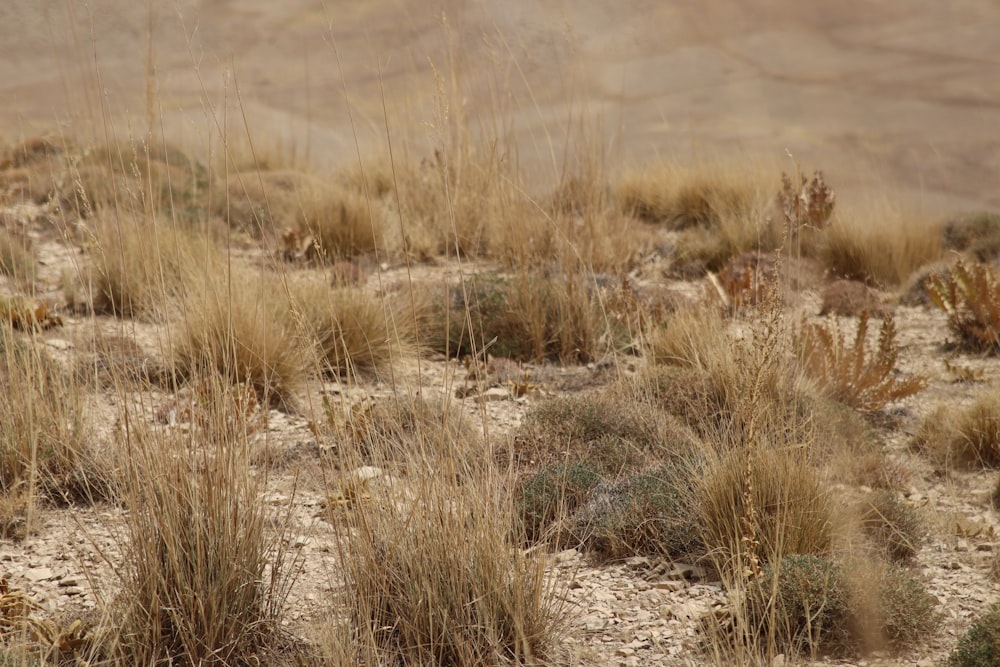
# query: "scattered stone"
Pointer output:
{"type": "Point", "coordinates": [38, 574]}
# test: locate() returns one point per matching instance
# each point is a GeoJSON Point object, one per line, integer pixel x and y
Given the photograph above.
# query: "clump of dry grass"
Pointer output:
{"type": "Point", "coordinates": [406, 429]}
{"type": "Point", "coordinates": [341, 223]}
{"type": "Point", "coordinates": [720, 209]}
{"type": "Point", "coordinates": [204, 575]}
{"type": "Point", "coordinates": [894, 527]}
{"type": "Point", "coordinates": [44, 438]}
{"type": "Point", "coordinates": [17, 257]}
{"type": "Point", "coordinates": [354, 331]}
{"type": "Point", "coordinates": [150, 178]}
{"type": "Point", "coordinates": [530, 316]}
{"type": "Point", "coordinates": [880, 245]}
{"type": "Point", "coordinates": [963, 437]}
{"type": "Point", "coordinates": [854, 374]}
{"type": "Point", "coordinates": [239, 326]}
{"type": "Point", "coordinates": [441, 580]}
{"type": "Point", "coordinates": [758, 504]}
{"type": "Point", "coordinates": [970, 297]}
{"type": "Point", "coordinates": [977, 234]}
{"type": "Point", "coordinates": [262, 203]}
{"type": "Point", "coordinates": [137, 263]}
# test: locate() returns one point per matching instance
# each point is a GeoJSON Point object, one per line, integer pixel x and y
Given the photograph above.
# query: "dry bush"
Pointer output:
{"type": "Point", "coordinates": [806, 204]}
{"type": "Point", "coordinates": [440, 579]}
{"type": "Point", "coordinates": [853, 373]}
{"type": "Point", "coordinates": [136, 264]}
{"type": "Point", "coordinates": [970, 297]}
{"type": "Point", "coordinates": [702, 195]}
{"type": "Point", "coordinates": [977, 234]}
{"type": "Point", "coordinates": [355, 332]}
{"type": "Point", "coordinates": [455, 202]}
{"type": "Point", "coordinates": [963, 437]}
{"type": "Point", "coordinates": [17, 257]}
{"type": "Point", "coordinates": [616, 430]}
{"type": "Point", "coordinates": [851, 298]}
{"type": "Point", "coordinates": [720, 209]}
{"type": "Point", "coordinates": [44, 438]}
{"type": "Point", "coordinates": [239, 326]}
{"type": "Point", "coordinates": [204, 575]}
{"type": "Point", "coordinates": [694, 336]}
{"type": "Point", "coordinates": [880, 246]}
{"type": "Point", "coordinates": [262, 203]}
{"type": "Point", "coordinates": [532, 317]}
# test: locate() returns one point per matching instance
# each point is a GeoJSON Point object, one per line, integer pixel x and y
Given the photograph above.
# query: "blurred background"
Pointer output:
{"type": "Point", "coordinates": [893, 98]}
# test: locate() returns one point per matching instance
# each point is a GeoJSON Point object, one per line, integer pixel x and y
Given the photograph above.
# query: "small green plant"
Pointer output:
{"type": "Point", "coordinates": [970, 297]}
{"type": "Point", "coordinates": [893, 526]}
{"type": "Point", "coordinates": [907, 610]}
{"type": "Point", "coordinates": [980, 645]}
{"type": "Point", "coordinates": [554, 492]}
{"type": "Point", "coordinates": [803, 603]}
{"type": "Point", "coordinates": [854, 374]}
{"type": "Point", "coordinates": [651, 513]}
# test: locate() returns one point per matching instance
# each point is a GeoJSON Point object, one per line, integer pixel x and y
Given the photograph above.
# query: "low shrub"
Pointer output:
{"type": "Point", "coordinates": [616, 430]}
{"type": "Point", "coordinates": [802, 603]}
{"type": "Point", "coordinates": [980, 645]}
{"type": "Point", "coordinates": [552, 493]}
{"type": "Point", "coordinates": [894, 526]}
{"type": "Point", "coordinates": [977, 234]}
{"type": "Point", "coordinates": [651, 513]}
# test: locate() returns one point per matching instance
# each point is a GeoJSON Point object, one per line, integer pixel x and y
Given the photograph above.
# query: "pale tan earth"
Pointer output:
{"type": "Point", "coordinates": [896, 98]}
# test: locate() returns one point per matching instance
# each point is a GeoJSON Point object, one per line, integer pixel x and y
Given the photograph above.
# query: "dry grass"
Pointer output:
{"type": "Point", "coordinates": [970, 297]}
{"type": "Point", "coordinates": [879, 245]}
{"type": "Point", "coordinates": [855, 374]}
{"type": "Point", "coordinates": [530, 316]}
{"type": "Point", "coordinates": [759, 504]}
{"type": "Point", "coordinates": [963, 437]}
{"type": "Point", "coordinates": [239, 327]}
{"type": "Point", "coordinates": [137, 264]}
{"type": "Point", "coordinates": [204, 575]}
{"type": "Point", "coordinates": [17, 257]}
{"type": "Point", "coordinates": [420, 591]}
{"type": "Point", "coordinates": [355, 332]}
{"type": "Point", "coordinates": [341, 222]}
{"type": "Point", "coordinates": [44, 436]}
{"type": "Point", "coordinates": [154, 179]}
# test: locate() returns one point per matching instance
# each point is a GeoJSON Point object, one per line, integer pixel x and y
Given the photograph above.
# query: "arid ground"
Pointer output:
{"type": "Point", "coordinates": [595, 190]}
